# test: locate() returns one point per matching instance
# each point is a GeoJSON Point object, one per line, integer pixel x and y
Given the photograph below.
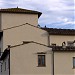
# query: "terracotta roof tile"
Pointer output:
{"type": "Point", "coordinates": [60, 48]}
{"type": "Point", "coordinates": [54, 31]}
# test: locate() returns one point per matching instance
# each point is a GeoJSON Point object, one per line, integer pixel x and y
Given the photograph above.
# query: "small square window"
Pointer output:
{"type": "Point", "coordinates": [41, 60]}
{"type": "Point", "coordinates": [53, 44]}
{"type": "Point", "coordinates": [73, 62]}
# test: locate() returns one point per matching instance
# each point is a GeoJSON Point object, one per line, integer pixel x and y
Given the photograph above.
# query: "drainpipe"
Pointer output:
{"type": "Point", "coordinates": [9, 57]}
{"type": "Point", "coordinates": [9, 62]}
{"type": "Point", "coordinates": [48, 39]}
{"type": "Point", "coordinates": [53, 61]}
{"type": "Point", "coordinates": [52, 54]}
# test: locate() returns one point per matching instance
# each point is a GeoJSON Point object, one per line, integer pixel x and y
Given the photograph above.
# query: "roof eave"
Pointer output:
{"type": "Point", "coordinates": [19, 12]}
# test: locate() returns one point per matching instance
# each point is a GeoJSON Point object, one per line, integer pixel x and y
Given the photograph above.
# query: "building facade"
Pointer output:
{"type": "Point", "coordinates": [28, 49]}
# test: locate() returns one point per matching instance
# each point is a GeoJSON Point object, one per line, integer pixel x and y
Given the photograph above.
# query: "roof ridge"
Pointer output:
{"type": "Point", "coordinates": [14, 8]}
{"type": "Point", "coordinates": [27, 42]}
{"type": "Point", "coordinates": [17, 8]}
{"type": "Point", "coordinates": [22, 25]}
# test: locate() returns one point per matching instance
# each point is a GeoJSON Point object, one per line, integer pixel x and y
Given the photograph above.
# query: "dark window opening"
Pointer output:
{"type": "Point", "coordinates": [5, 66]}
{"type": "Point", "coordinates": [1, 68]}
{"type": "Point", "coordinates": [41, 60]}
{"type": "Point", "coordinates": [73, 62]}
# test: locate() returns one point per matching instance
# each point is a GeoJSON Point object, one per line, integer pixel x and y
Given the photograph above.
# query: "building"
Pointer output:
{"type": "Point", "coordinates": [28, 49]}
{"type": "Point", "coordinates": [62, 42]}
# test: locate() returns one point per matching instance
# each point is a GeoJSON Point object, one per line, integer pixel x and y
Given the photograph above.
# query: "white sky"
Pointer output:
{"type": "Point", "coordinates": [55, 13]}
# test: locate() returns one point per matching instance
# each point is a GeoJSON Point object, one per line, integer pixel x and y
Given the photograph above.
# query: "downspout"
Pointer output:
{"type": "Point", "coordinates": [48, 39]}
{"type": "Point", "coordinates": [52, 54]}
{"type": "Point", "coordinates": [53, 61]}
{"type": "Point", "coordinates": [9, 58]}
{"type": "Point", "coordinates": [9, 62]}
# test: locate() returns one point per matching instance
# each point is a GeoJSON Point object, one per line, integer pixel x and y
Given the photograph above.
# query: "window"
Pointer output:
{"type": "Point", "coordinates": [53, 44]}
{"type": "Point", "coordinates": [41, 60]}
{"type": "Point", "coordinates": [5, 66]}
{"type": "Point", "coordinates": [8, 63]}
{"type": "Point", "coordinates": [1, 67]}
{"type": "Point", "coordinates": [73, 62]}
{"type": "Point", "coordinates": [0, 52]}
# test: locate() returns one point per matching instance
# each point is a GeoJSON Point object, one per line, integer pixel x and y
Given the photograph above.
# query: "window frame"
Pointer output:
{"type": "Point", "coordinates": [41, 57]}
{"type": "Point", "coordinates": [5, 66]}
{"type": "Point", "coordinates": [1, 67]}
{"type": "Point", "coordinates": [73, 63]}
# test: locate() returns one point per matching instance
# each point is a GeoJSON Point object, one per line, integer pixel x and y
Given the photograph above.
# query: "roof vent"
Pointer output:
{"type": "Point", "coordinates": [45, 26]}
{"type": "Point", "coordinates": [17, 6]}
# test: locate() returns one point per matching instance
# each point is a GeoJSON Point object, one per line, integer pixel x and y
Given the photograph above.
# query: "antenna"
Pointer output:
{"type": "Point", "coordinates": [17, 6]}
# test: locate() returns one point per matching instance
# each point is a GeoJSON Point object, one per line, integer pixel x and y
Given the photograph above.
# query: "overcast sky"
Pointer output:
{"type": "Point", "coordinates": [55, 13]}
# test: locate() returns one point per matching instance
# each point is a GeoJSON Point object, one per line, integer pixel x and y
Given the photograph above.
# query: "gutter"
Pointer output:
{"type": "Point", "coordinates": [48, 39]}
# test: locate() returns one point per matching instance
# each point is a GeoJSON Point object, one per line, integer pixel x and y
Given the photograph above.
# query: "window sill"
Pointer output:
{"type": "Point", "coordinates": [42, 66]}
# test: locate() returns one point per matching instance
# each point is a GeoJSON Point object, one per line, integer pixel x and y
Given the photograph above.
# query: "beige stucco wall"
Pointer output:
{"type": "Point", "coordinates": [10, 19]}
{"type": "Point", "coordinates": [24, 60]}
{"type": "Point", "coordinates": [59, 39]}
{"type": "Point", "coordinates": [63, 63]}
{"type": "Point", "coordinates": [24, 33]}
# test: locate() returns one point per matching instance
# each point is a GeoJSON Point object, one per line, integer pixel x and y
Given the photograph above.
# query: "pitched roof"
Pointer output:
{"type": "Point", "coordinates": [7, 50]}
{"type": "Point", "coordinates": [61, 49]}
{"type": "Point", "coordinates": [20, 10]}
{"type": "Point", "coordinates": [27, 42]}
{"type": "Point", "coordinates": [55, 31]}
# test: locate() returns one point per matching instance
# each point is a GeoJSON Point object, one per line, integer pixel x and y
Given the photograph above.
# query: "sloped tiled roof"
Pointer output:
{"type": "Point", "coordinates": [61, 49]}
{"type": "Point", "coordinates": [20, 10]}
{"type": "Point", "coordinates": [55, 31]}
